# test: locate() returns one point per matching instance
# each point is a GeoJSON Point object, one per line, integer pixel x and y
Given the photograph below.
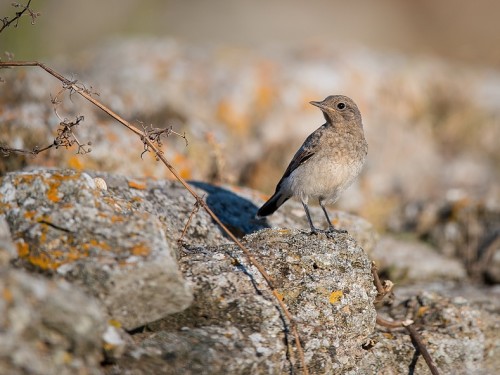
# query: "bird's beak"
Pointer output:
{"type": "Point", "coordinates": [320, 105]}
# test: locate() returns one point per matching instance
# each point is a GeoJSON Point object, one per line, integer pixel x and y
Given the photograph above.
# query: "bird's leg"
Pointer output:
{"type": "Point", "coordinates": [313, 228]}
{"type": "Point", "coordinates": [331, 228]}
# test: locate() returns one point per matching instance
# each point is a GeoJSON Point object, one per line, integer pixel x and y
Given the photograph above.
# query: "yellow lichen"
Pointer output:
{"type": "Point", "coordinates": [115, 323]}
{"type": "Point", "coordinates": [335, 296]}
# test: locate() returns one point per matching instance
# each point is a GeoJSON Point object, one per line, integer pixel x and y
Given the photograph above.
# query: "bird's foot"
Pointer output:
{"type": "Point", "coordinates": [315, 231]}
{"type": "Point", "coordinates": [332, 229]}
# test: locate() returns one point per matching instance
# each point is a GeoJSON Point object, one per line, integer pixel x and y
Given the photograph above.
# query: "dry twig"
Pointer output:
{"type": "Point", "coordinates": [195, 209]}
{"type": "Point", "coordinates": [6, 22]}
{"type": "Point", "coordinates": [407, 324]}
{"type": "Point", "coordinates": [151, 145]}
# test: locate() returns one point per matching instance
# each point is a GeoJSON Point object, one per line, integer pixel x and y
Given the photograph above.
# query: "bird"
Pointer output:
{"type": "Point", "coordinates": [328, 161]}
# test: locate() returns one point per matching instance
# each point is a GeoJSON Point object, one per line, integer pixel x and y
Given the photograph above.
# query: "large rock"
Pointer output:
{"type": "Point", "coordinates": [234, 326]}
{"type": "Point", "coordinates": [64, 224]}
{"type": "Point", "coordinates": [48, 327]}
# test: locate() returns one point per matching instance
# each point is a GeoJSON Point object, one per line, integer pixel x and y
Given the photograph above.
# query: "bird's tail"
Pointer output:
{"type": "Point", "coordinates": [272, 204]}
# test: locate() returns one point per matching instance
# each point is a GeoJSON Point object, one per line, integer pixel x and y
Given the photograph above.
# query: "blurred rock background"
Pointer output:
{"type": "Point", "coordinates": [236, 77]}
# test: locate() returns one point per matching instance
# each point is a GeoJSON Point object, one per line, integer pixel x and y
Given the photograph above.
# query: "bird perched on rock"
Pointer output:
{"type": "Point", "coordinates": [327, 162]}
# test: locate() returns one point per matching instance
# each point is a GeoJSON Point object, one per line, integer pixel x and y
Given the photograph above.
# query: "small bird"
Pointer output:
{"type": "Point", "coordinates": [327, 162]}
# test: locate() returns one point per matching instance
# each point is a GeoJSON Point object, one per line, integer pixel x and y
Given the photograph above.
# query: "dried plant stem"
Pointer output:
{"type": "Point", "coordinates": [407, 324]}
{"type": "Point", "coordinates": [26, 8]}
{"type": "Point", "coordinates": [144, 138]}
{"type": "Point", "coordinates": [191, 215]}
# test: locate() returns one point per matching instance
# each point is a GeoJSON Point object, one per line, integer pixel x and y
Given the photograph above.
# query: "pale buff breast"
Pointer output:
{"type": "Point", "coordinates": [324, 177]}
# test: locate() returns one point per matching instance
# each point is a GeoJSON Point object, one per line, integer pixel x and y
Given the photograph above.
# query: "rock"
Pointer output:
{"type": "Point", "coordinates": [458, 226]}
{"type": "Point", "coordinates": [48, 327]}
{"type": "Point", "coordinates": [7, 249]}
{"type": "Point", "coordinates": [410, 261]}
{"type": "Point", "coordinates": [218, 315]}
{"type": "Point", "coordinates": [450, 329]}
{"type": "Point", "coordinates": [64, 225]}
{"type": "Point", "coordinates": [325, 281]}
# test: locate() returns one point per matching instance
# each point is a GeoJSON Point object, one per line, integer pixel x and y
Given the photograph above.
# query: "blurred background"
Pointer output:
{"type": "Point", "coordinates": [236, 77]}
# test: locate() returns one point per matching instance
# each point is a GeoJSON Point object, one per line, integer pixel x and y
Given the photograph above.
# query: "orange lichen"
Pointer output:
{"type": "Point", "coordinates": [95, 244]}
{"type": "Point", "coordinates": [137, 185]}
{"type": "Point", "coordinates": [53, 192]}
{"type": "Point", "coordinates": [279, 295]}
{"type": "Point", "coordinates": [230, 116]}
{"type": "Point", "coordinates": [335, 296]}
{"type": "Point", "coordinates": [7, 295]}
{"type": "Point", "coordinates": [29, 215]}
{"type": "Point", "coordinates": [117, 219]}
{"type": "Point", "coordinates": [185, 173]}
{"type": "Point", "coordinates": [75, 162]}
{"type": "Point", "coordinates": [23, 249]}
{"type": "Point", "coordinates": [43, 261]}
{"type": "Point", "coordinates": [141, 250]}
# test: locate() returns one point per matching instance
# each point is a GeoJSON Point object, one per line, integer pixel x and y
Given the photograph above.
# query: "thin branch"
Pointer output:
{"type": "Point", "coordinates": [193, 212]}
{"type": "Point", "coordinates": [417, 341]}
{"type": "Point", "coordinates": [26, 8]}
{"type": "Point", "coordinates": [159, 155]}
{"type": "Point", "coordinates": [382, 291]}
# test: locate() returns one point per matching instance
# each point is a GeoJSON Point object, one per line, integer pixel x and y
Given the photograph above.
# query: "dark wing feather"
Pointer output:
{"type": "Point", "coordinates": [304, 153]}
{"type": "Point", "coordinates": [300, 158]}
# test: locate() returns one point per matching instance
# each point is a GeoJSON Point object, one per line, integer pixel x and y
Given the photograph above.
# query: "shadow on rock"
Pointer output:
{"type": "Point", "coordinates": [235, 212]}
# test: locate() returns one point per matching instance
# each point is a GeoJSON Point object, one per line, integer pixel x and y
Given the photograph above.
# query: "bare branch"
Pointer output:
{"type": "Point", "coordinates": [6, 22]}
{"type": "Point", "coordinates": [195, 209]}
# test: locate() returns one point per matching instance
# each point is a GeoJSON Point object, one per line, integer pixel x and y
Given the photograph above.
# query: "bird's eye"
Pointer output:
{"type": "Point", "coordinates": [341, 105]}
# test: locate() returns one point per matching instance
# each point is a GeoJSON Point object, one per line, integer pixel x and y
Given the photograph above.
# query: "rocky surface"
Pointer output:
{"type": "Point", "coordinates": [48, 326]}
{"type": "Point", "coordinates": [198, 306]}
{"type": "Point", "coordinates": [452, 331]}
{"type": "Point", "coordinates": [64, 224]}
{"type": "Point", "coordinates": [325, 281]}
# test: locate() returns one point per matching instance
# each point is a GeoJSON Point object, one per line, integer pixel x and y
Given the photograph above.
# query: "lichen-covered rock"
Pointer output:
{"type": "Point", "coordinates": [450, 329]}
{"type": "Point", "coordinates": [7, 249]}
{"type": "Point", "coordinates": [63, 224]}
{"type": "Point", "coordinates": [48, 327]}
{"type": "Point", "coordinates": [324, 279]}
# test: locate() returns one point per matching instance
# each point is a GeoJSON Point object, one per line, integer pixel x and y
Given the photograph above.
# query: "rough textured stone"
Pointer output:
{"type": "Point", "coordinates": [325, 281]}
{"type": "Point", "coordinates": [233, 324]}
{"type": "Point", "coordinates": [7, 249]}
{"type": "Point", "coordinates": [64, 225]}
{"type": "Point", "coordinates": [450, 329]}
{"type": "Point", "coordinates": [48, 327]}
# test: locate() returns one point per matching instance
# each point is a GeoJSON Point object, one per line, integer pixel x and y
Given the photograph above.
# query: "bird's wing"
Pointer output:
{"type": "Point", "coordinates": [304, 153]}
{"type": "Point", "coordinates": [300, 158]}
